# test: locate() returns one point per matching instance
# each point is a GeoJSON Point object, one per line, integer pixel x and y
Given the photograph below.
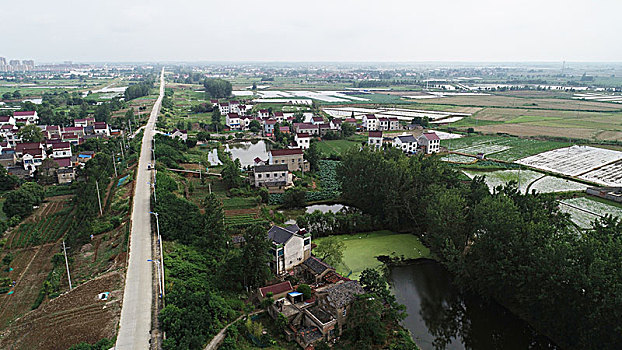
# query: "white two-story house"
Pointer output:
{"type": "Point", "coordinates": [370, 122]}
{"type": "Point", "coordinates": [291, 246]}
{"type": "Point", "coordinates": [430, 142]}
{"type": "Point", "coordinates": [407, 143]}
{"type": "Point", "coordinates": [303, 140]}
{"type": "Point", "coordinates": [374, 140]}
{"type": "Point", "coordinates": [233, 121]}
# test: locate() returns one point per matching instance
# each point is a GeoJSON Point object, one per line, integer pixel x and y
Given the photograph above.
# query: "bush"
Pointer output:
{"type": "Point", "coordinates": [294, 198]}
{"type": "Point", "coordinates": [305, 290]}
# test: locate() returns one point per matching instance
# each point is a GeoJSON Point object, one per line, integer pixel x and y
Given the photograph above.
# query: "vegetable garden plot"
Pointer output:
{"type": "Point", "coordinates": [550, 184]}
{"type": "Point", "coordinates": [609, 175]}
{"type": "Point", "coordinates": [572, 161]}
{"type": "Point", "coordinates": [485, 148]}
{"type": "Point", "coordinates": [501, 177]}
{"type": "Point", "coordinates": [584, 210]}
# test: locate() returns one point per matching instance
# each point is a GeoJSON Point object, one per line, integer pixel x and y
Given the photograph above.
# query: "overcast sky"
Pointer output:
{"type": "Point", "coordinates": [317, 30]}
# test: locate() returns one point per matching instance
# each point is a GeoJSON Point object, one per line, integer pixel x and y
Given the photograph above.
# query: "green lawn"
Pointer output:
{"type": "Point", "coordinates": [362, 249]}
{"type": "Point", "coordinates": [329, 147]}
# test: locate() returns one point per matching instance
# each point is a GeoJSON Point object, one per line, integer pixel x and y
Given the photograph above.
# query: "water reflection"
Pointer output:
{"type": "Point", "coordinates": [246, 152]}
{"type": "Point", "coordinates": [439, 317]}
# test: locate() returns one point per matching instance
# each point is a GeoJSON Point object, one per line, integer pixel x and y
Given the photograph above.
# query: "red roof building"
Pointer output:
{"type": "Point", "coordinates": [276, 289]}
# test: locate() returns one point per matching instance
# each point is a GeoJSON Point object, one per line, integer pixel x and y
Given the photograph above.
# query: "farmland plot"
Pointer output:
{"type": "Point", "coordinates": [609, 175]}
{"type": "Point", "coordinates": [458, 158]}
{"type": "Point", "coordinates": [584, 210]}
{"type": "Point", "coordinates": [572, 161]}
{"type": "Point", "coordinates": [550, 184]}
{"type": "Point", "coordinates": [501, 177]}
{"type": "Point", "coordinates": [484, 148]}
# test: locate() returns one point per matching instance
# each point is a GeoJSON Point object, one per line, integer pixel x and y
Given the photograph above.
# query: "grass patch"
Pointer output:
{"type": "Point", "coordinates": [362, 249]}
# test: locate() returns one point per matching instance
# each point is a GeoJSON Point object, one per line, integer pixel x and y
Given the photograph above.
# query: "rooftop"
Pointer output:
{"type": "Point", "coordinates": [285, 152]}
{"type": "Point", "coordinates": [276, 288]}
{"type": "Point", "coordinates": [268, 168]}
{"type": "Point", "coordinates": [375, 134]}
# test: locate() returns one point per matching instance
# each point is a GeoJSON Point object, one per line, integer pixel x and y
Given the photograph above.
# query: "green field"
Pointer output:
{"type": "Point", "coordinates": [362, 249]}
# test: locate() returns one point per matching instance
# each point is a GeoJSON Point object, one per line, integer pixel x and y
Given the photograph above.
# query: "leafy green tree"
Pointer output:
{"type": "Point", "coordinates": [216, 120]}
{"type": "Point", "coordinates": [365, 325]}
{"type": "Point", "coordinates": [347, 129]}
{"type": "Point", "coordinates": [217, 88]}
{"type": "Point", "coordinates": [17, 94]}
{"type": "Point", "coordinates": [102, 113]}
{"type": "Point", "coordinates": [231, 174]}
{"type": "Point", "coordinates": [20, 202]}
{"type": "Point", "coordinates": [312, 155]}
{"type": "Point", "coordinates": [305, 290]}
{"type": "Point", "coordinates": [7, 182]}
{"type": "Point", "coordinates": [30, 133]}
{"type": "Point", "coordinates": [294, 198]}
{"type": "Point", "coordinates": [254, 126]}
{"type": "Point", "coordinates": [254, 257]}
{"type": "Point", "coordinates": [7, 96]}
{"type": "Point", "coordinates": [330, 250]}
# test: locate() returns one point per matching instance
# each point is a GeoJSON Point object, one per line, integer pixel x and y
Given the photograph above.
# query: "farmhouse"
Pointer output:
{"type": "Point", "coordinates": [180, 134]}
{"type": "Point", "coordinates": [430, 142]}
{"type": "Point", "coordinates": [374, 140]}
{"type": "Point", "coordinates": [292, 157]}
{"type": "Point", "coordinates": [291, 246]}
{"type": "Point", "coordinates": [387, 124]}
{"type": "Point", "coordinates": [370, 122]}
{"type": "Point", "coordinates": [101, 128]}
{"type": "Point", "coordinates": [303, 140]}
{"type": "Point", "coordinates": [273, 177]}
{"type": "Point", "coordinates": [232, 120]}
{"type": "Point", "coordinates": [224, 108]}
{"type": "Point", "coordinates": [27, 117]}
{"type": "Point", "coordinates": [307, 128]}
{"type": "Point", "coordinates": [7, 120]}
{"type": "Point", "coordinates": [61, 150]}
{"type": "Point", "coordinates": [407, 143]}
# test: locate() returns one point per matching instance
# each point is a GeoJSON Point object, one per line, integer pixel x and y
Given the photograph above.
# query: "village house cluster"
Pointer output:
{"type": "Point", "coordinates": [427, 142]}
{"type": "Point", "coordinates": [323, 315]}
{"type": "Point", "coordinates": [53, 156]}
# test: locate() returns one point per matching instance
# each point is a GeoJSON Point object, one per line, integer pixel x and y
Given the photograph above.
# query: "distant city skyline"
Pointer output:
{"type": "Point", "coordinates": [322, 31]}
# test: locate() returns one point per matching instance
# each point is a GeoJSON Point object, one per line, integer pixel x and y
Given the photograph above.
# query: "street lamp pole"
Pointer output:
{"type": "Point", "coordinates": [161, 254]}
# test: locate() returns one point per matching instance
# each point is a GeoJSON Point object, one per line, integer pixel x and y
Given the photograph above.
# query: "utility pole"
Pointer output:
{"type": "Point", "coordinates": [114, 163]}
{"type": "Point", "coordinates": [67, 264]}
{"type": "Point", "coordinates": [200, 178]}
{"type": "Point", "coordinates": [130, 125]}
{"type": "Point", "coordinates": [161, 255]}
{"type": "Point", "coordinates": [101, 213]}
{"type": "Point", "coordinates": [122, 154]}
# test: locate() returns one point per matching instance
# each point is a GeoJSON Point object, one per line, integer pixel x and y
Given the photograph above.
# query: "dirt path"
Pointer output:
{"type": "Point", "coordinates": [218, 338]}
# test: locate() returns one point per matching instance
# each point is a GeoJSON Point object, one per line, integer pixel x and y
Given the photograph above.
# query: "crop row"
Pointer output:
{"type": "Point", "coordinates": [41, 231]}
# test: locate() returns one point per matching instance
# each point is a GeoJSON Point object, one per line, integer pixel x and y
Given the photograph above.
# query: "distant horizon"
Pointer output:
{"type": "Point", "coordinates": [551, 62]}
{"type": "Point", "coordinates": [324, 31]}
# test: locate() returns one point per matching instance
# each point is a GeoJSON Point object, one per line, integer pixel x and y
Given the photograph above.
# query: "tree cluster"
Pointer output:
{"type": "Point", "coordinates": [516, 248]}
{"type": "Point", "coordinates": [217, 88]}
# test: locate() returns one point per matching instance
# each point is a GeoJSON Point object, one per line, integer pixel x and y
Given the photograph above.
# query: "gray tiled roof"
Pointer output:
{"type": "Point", "coordinates": [407, 138]}
{"type": "Point", "coordinates": [280, 235]}
{"type": "Point", "coordinates": [316, 265]}
{"type": "Point", "coordinates": [344, 293]}
{"type": "Point", "coordinates": [272, 167]}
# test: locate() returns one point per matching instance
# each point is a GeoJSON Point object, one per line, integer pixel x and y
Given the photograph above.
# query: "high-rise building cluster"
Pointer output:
{"type": "Point", "coordinates": [16, 65]}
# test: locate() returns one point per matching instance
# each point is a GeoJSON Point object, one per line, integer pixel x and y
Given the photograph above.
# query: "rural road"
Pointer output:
{"type": "Point", "coordinates": [135, 324]}
{"type": "Point", "coordinates": [218, 338]}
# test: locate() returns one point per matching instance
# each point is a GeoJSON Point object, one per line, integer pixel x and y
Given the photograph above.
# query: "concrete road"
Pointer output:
{"type": "Point", "coordinates": [135, 323]}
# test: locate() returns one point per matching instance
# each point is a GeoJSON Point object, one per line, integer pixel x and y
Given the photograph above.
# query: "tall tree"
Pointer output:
{"type": "Point", "coordinates": [30, 133]}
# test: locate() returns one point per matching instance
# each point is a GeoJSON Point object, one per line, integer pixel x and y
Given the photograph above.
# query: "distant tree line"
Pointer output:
{"type": "Point", "coordinates": [138, 90]}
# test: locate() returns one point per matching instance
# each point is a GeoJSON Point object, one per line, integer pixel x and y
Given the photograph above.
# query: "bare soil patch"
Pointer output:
{"type": "Point", "coordinates": [73, 317]}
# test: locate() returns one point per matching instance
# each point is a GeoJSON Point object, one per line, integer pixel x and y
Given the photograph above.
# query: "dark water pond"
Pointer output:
{"type": "Point", "coordinates": [439, 317]}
